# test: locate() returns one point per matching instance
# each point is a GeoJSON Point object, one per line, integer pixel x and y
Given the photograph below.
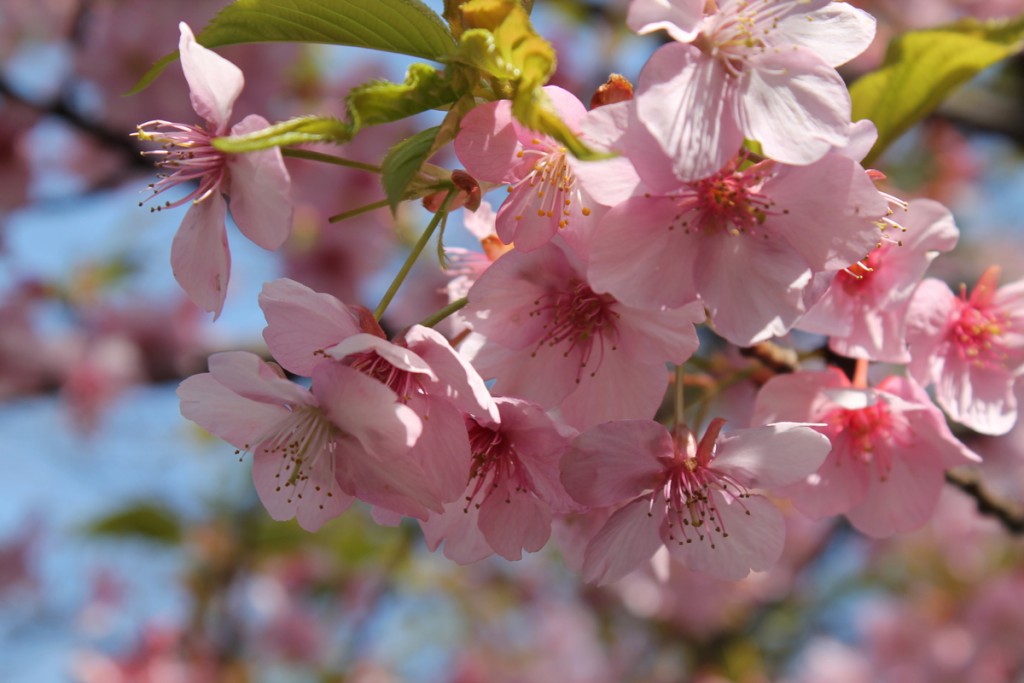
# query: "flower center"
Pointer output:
{"type": "Point", "coordinates": [187, 152]}
{"type": "Point", "coordinates": [405, 384]}
{"type": "Point", "coordinates": [729, 201]}
{"type": "Point", "coordinates": [741, 30]}
{"type": "Point", "coordinates": [691, 511]}
{"type": "Point", "coordinates": [495, 462]}
{"type": "Point", "coordinates": [300, 440]}
{"type": "Point", "coordinates": [855, 278]}
{"type": "Point", "coordinates": [978, 334]}
{"type": "Point", "coordinates": [867, 436]}
{"type": "Point", "coordinates": [580, 319]}
{"type": "Point", "coordinates": [552, 183]}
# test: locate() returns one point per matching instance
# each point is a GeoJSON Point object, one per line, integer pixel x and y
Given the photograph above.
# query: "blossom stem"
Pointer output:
{"type": "Point", "coordinates": [860, 374]}
{"type": "Point", "coordinates": [355, 212]}
{"type": "Point", "coordinates": [328, 159]}
{"type": "Point", "coordinates": [417, 249]}
{"type": "Point", "coordinates": [443, 313]}
{"type": "Point", "coordinates": [680, 399]}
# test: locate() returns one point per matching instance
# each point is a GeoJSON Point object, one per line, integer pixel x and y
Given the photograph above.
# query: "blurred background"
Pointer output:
{"type": "Point", "coordinates": [132, 545]}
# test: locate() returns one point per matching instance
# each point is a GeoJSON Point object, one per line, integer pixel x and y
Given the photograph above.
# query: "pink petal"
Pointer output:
{"type": "Point", "coordinates": [260, 191]}
{"type": "Point", "coordinates": [458, 527]}
{"type": "Point", "coordinates": [463, 385]}
{"type": "Point", "coordinates": [251, 377]}
{"type": "Point", "coordinates": [396, 483]}
{"type": "Point", "coordinates": [679, 18]}
{"type": "Point", "coordinates": [928, 424]}
{"type": "Point", "coordinates": [199, 254]}
{"type": "Point", "coordinates": [486, 143]}
{"type": "Point", "coordinates": [795, 105]}
{"type": "Point", "coordinates": [838, 486]}
{"type": "Point", "coordinates": [837, 33]}
{"type": "Point", "coordinates": [366, 410]}
{"type": "Point", "coordinates": [797, 397]}
{"type": "Point", "coordinates": [523, 221]}
{"type": "Point", "coordinates": [214, 82]}
{"type": "Point", "coordinates": [442, 450]}
{"type": "Point", "coordinates": [687, 101]}
{"type": "Point", "coordinates": [756, 535]}
{"type": "Point", "coordinates": [615, 461]}
{"type": "Point", "coordinates": [635, 256]}
{"type": "Point", "coordinates": [313, 500]}
{"type": "Point", "coordinates": [515, 522]}
{"type": "Point", "coordinates": [620, 388]}
{"type": "Point", "coordinates": [666, 334]}
{"type": "Point", "coordinates": [902, 502]}
{"type": "Point", "coordinates": [775, 455]}
{"type": "Point", "coordinates": [981, 398]}
{"type": "Point", "coordinates": [931, 310]}
{"type": "Point", "coordinates": [220, 411]}
{"type": "Point", "coordinates": [625, 542]}
{"type": "Point", "coordinates": [540, 445]}
{"type": "Point", "coordinates": [762, 302]}
{"type": "Point", "coordinates": [302, 323]}
{"type": "Point", "coordinates": [825, 211]}
{"type": "Point", "coordinates": [399, 356]}
{"type": "Point", "coordinates": [566, 105]}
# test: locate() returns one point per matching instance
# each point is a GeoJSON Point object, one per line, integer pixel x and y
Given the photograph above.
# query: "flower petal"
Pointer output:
{"type": "Point", "coordinates": [214, 82]}
{"type": "Point", "coordinates": [199, 254]}
{"type": "Point", "coordinates": [626, 541]}
{"type": "Point", "coordinates": [615, 461]}
{"type": "Point", "coordinates": [775, 455]}
{"type": "Point", "coordinates": [302, 323]}
{"type": "Point", "coordinates": [795, 105]}
{"type": "Point", "coordinates": [687, 102]}
{"type": "Point", "coordinates": [260, 190]}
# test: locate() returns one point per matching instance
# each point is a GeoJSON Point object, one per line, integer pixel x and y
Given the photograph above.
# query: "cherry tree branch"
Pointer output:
{"type": "Point", "coordinates": [1009, 514]}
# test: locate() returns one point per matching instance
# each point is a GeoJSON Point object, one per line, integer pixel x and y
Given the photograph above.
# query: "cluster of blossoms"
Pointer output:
{"type": "Point", "coordinates": [594, 278]}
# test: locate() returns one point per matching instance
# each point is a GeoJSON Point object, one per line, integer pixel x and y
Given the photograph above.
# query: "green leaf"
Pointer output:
{"type": "Point", "coordinates": [407, 27]}
{"type": "Point", "coordinates": [922, 68]}
{"type": "Point", "coordinates": [378, 102]}
{"type": "Point", "coordinates": [401, 163]}
{"type": "Point", "coordinates": [143, 520]}
{"type": "Point", "coordinates": [296, 131]}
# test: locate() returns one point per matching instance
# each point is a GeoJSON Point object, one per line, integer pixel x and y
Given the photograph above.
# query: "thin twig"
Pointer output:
{"type": "Point", "coordinates": [1009, 514]}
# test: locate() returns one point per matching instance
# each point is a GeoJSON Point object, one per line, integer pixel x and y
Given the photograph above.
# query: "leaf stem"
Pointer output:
{"type": "Point", "coordinates": [443, 313]}
{"type": "Point", "coordinates": [328, 159]}
{"type": "Point", "coordinates": [417, 249]}
{"type": "Point", "coordinates": [355, 212]}
{"type": "Point", "coordinates": [680, 401]}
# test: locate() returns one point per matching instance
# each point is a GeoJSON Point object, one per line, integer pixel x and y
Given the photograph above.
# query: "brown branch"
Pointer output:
{"type": "Point", "coordinates": [60, 108]}
{"type": "Point", "coordinates": [1009, 514]}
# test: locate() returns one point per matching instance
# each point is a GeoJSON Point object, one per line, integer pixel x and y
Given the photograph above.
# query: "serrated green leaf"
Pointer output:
{"type": "Point", "coordinates": [143, 520]}
{"type": "Point", "coordinates": [379, 102]}
{"type": "Point", "coordinates": [406, 27]}
{"type": "Point", "coordinates": [401, 163]}
{"type": "Point", "coordinates": [304, 129]}
{"type": "Point", "coordinates": [922, 68]}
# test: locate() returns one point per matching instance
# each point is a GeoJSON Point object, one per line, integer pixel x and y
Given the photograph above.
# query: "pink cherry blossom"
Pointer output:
{"type": "Point", "coordinates": [313, 450]}
{"type": "Point", "coordinates": [761, 69]}
{"type": "Point", "coordinates": [513, 491]}
{"type": "Point", "coordinates": [549, 337]}
{"type": "Point", "coordinates": [543, 195]}
{"type": "Point", "coordinates": [864, 311]}
{"type": "Point", "coordinates": [747, 240]}
{"type": "Point", "coordinates": [697, 499]}
{"type": "Point", "coordinates": [305, 328]}
{"type": "Point", "coordinates": [257, 183]}
{"type": "Point", "coordinates": [971, 348]}
{"type": "Point", "coordinates": [890, 448]}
